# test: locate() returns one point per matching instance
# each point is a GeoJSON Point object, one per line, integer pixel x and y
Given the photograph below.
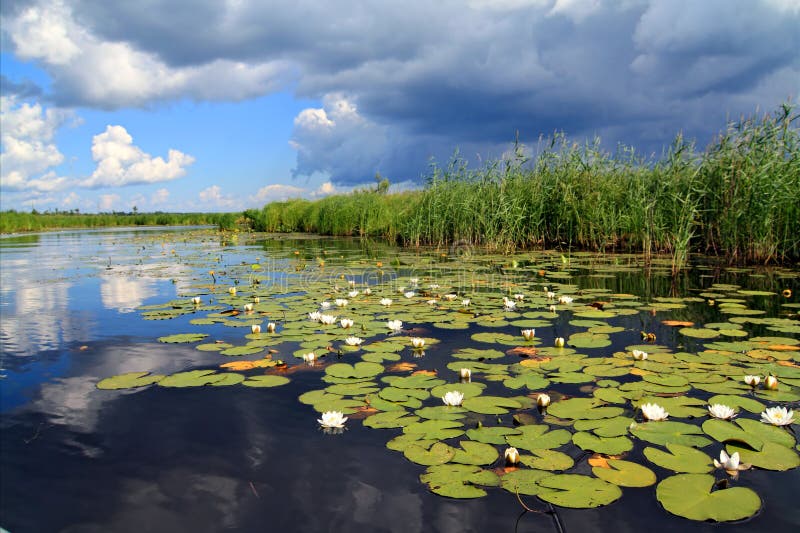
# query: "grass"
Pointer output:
{"type": "Point", "coordinates": [738, 199]}
{"type": "Point", "coordinates": [16, 222]}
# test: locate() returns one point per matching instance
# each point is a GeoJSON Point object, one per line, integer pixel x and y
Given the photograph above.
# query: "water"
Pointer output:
{"type": "Point", "coordinates": [77, 459]}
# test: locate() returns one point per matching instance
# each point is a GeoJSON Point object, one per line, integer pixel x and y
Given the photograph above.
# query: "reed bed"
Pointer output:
{"type": "Point", "coordinates": [17, 221]}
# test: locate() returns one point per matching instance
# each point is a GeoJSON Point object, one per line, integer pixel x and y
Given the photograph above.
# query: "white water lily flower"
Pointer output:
{"type": "Point", "coordinates": [271, 326]}
{"type": "Point", "coordinates": [325, 305]}
{"type": "Point", "coordinates": [723, 412]}
{"type": "Point", "coordinates": [559, 342]}
{"type": "Point", "coordinates": [340, 302]}
{"type": "Point", "coordinates": [367, 291]}
{"type": "Point", "coordinates": [232, 291]}
{"type": "Point", "coordinates": [753, 381]}
{"type": "Point", "coordinates": [353, 341]}
{"type": "Point", "coordinates": [565, 300]}
{"type": "Point", "coordinates": [346, 323]}
{"type": "Point", "coordinates": [729, 463]}
{"type": "Point", "coordinates": [543, 400]}
{"type": "Point", "coordinates": [509, 305]}
{"type": "Point", "coordinates": [771, 383]}
{"type": "Point", "coordinates": [550, 295]}
{"type": "Point", "coordinates": [434, 286]}
{"type": "Point", "coordinates": [395, 325]}
{"type": "Point", "coordinates": [409, 294]}
{"type": "Point", "coordinates": [778, 416]}
{"type": "Point", "coordinates": [519, 297]}
{"type": "Point", "coordinates": [309, 357]}
{"type": "Point", "coordinates": [327, 319]}
{"type": "Point", "coordinates": [528, 334]}
{"type": "Point", "coordinates": [196, 300]}
{"type": "Point", "coordinates": [449, 297]}
{"type": "Point", "coordinates": [465, 373]}
{"type": "Point", "coordinates": [248, 308]}
{"type": "Point", "coordinates": [417, 342]}
{"type": "Point", "coordinates": [332, 419]}
{"type": "Point", "coordinates": [465, 302]}
{"type": "Point", "coordinates": [511, 455]}
{"type": "Point", "coordinates": [453, 398]}
{"type": "Point", "coordinates": [315, 316]}
{"type": "Point", "coordinates": [351, 282]}
{"type": "Point", "coordinates": [413, 281]}
{"type": "Point", "coordinates": [432, 301]}
{"type": "Point", "coordinates": [256, 299]}
{"type": "Point", "coordinates": [352, 294]}
{"type": "Point", "coordinates": [255, 328]}
{"type": "Point", "coordinates": [552, 308]}
{"type": "Point", "coordinates": [386, 301]}
{"type": "Point", "coordinates": [653, 412]}
{"type": "Point", "coordinates": [639, 355]}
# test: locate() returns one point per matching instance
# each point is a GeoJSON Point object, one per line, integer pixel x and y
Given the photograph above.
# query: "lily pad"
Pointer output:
{"type": "Point", "coordinates": [392, 419]}
{"type": "Point", "coordinates": [437, 454]}
{"type": "Point", "coordinates": [577, 491]}
{"type": "Point", "coordinates": [548, 460]}
{"type": "Point", "coordinates": [458, 481]}
{"type": "Point", "coordinates": [680, 458]}
{"type": "Point", "coordinates": [183, 337]}
{"type": "Point", "coordinates": [475, 453]}
{"type": "Point", "coordinates": [491, 405]}
{"type": "Point", "coordinates": [691, 496]}
{"type": "Point", "coordinates": [606, 445]}
{"type": "Point", "coordinates": [668, 431]}
{"type": "Point", "coordinates": [129, 380]}
{"type": "Point", "coordinates": [265, 381]}
{"type": "Point", "coordinates": [772, 456]}
{"type": "Point", "coordinates": [625, 474]}
{"type": "Point", "coordinates": [523, 481]}
{"type": "Point", "coordinates": [538, 437]}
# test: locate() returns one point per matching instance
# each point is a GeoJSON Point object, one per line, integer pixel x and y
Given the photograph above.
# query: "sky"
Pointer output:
{"type": "Point", "coordinates": [210, 105]}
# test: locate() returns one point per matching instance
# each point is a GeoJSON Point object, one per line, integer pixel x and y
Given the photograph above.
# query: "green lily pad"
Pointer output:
{"type": "Point", "coordinates": [475, 453]}
{"type": "Point", "coordinates": [607, 445]}
{"type": "Point", "coordinates": [442, 412]}
{"type": "Point", "coordinates": [552, 460]}
{"type": "Point", "coordinates": [605, 427]}
{"type": "Point", "coordinates": [724, 431]}
{"type": "Point", "coordinates": [625, 474]}
{"type": "Point", "coordinates": [530, 380]}
{"type": "Point", "coordinates": [490, 405]}
{"type": "Point", "coordinates": [523, 481]}
{"type": "Point", "coordinates": [129, 380]}
{"type": "Point", "coordinates": [183, 337]}
{"type": "Point", "coordinates": [458, 481]}
{"type": "Point", "coordinates": [469, 390]}
{"type": "Point", "coordinates": [742, 402]}
{"type": "Point", "coordinates": [668, 431]}
{"type": "Point", "coordinates": [265, 381]}
{"type": "Point", "coordinates": [691, 496]}
{"type": "Point", "coordinates": [438, 454]}
{"type": "Point", "coordinates": [392, 419]}
{"type": "Point", "coordinates": [680, 458]}
{"type": "Point", "coordinates": [772, 456]}
{"type": "Point", "coordinates": [491, 435]}
{"type": "Point", "coordinates": [191, 378]}
{"type": "Point", "coordinates": [362, 369]}
{"type": "Point", "coordinates": [475, 354]}
{"type": "Point", "coordinates": [418, 381]}
{"type": "Point", "coordinates": [538, 437]}
{"type": "Point", "coordinates": [577, 491]}
{"type": "Point", "coordinates": [435, 429]}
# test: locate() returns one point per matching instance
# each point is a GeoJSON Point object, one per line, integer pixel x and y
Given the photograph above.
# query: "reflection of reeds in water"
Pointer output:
{"type": "Point", "coordinates": [739, 199]}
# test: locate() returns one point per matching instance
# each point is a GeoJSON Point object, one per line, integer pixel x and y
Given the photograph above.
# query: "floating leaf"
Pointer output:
{"type": "Point", "coordinates": [475, 453]}
{"type": "Point", "coordinates": [680, 458]}
{"type": "Point", "coordinates": [538, 437]}
{"type": "Point", "coordinates": [772, 456]}
{"type": "Point", "coordinates": [523, 481]}
{"type": "Point", "coordinates": [724, 431]}
{"type": "Point", "coordinates": [669, 431]}
{"type": "Point", "coordinates": [458, 481]}
{"type": "Point", "coordinates": [265, 381]}
{"type": "Point", "coordinates": [435, 429]}
{"type": "Point", "coordinates": [490, 405]}
{"type": "Point", "coordinates": [363, 369]}
{"type": "Point", "coordinates": [192, 378]}
{"type": "Point", "coordinates": [577, 491]}
{"type": "Point", "coordinates": [626, 474]}
{"type": "Point", "coordinates": [438, 454]}
{"type": "Point", "coordinates": [547, 460]}
{"type": "Point", "coordinates": [393, 419]}
{"type": "Point", "coordinates": [129, 380]}
{"type": "Point", "coordinates": [491, 435]}
{"type": "Point", "coordinates": [183, 337]}
{"type": "Point", "coordinates": [605, 445]}
{"type": "Point", "coordinates": [691, 496]}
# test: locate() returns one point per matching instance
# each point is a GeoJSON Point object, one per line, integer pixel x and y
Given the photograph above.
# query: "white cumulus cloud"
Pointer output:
{"type": "Point", "coordinates": [213, 197]}
{"type": "Point", "coordinates": [120, 162]}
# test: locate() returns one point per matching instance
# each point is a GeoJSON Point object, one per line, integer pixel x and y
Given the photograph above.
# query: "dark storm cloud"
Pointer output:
{"type": "Point", "coordinates": [21, 89]}
{"type": "Point", "coordinates": [404, 81]}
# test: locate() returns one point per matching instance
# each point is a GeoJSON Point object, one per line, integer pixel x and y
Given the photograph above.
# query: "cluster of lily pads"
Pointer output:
{"type": "Point", "coordinates": [529, 396]}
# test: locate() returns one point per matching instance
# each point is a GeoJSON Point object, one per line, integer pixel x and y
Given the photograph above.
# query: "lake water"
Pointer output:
{"type": "Point", "coordinates": [75, 458]}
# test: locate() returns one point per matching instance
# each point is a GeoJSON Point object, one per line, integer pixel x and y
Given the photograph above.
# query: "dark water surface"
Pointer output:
{"type": "Point", "coordinates": [77, 459]}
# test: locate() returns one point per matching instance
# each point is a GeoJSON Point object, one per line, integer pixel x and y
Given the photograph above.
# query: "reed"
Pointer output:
{"type": "Point", "coordinates": [15, 221]}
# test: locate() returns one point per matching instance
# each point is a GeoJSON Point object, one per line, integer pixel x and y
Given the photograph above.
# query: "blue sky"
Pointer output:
{"type": "Point", "coordinates": [186, 105]}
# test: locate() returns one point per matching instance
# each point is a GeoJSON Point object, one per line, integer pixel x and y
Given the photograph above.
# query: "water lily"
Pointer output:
{"type": "Point", "coordinates": [550, 295]}
{"type": "Point", "coordinates": [559, 342]}
{"type": "Point", "coordinates": [720, 411]}
{"type": "Point", "coordinates": [432, 301]}
{"type": "Point", "coordinates": [512, 456]}
{"type": "Point", "coordinates": [255, 328]}
{"type": "Point", "coordinates": [465, 302]}
{"type": "Point", "coordinates": [327, 319]}
{"type": "Point", "coordinates": [465, 373]}
{"type": "Point", "coordinates": [408, 294]}
{"type": "Point", "coordinates": [417, 342]}
{"type": "Point", "coordinates": [528, 334]}
{"type": "Point", "coordinates": [565, 300]}
{"type": "Point", "coordinates": [325, 305]}
{"type": "Point", "coordinates": [271, 326]}
{"type": "Point", "coordinates": [639, 355]}
{"type": "Point", "coordinates": [196, 300]}
{"type": "Point", "coordinates": [453, 398]}
{"type": "Point", "coordinates": [395, 325]}
{"type": "Point", "coordinates": [386, 302]}
{"type": "Point", "coordinates": [367, 291]}
{"type": "Point", "coordinates": [340, 302]}
{"type": "Point", "coordinates": [778, 416]}
{"type": "Point", "coordinates": [449, 297]}
{"type": "Point", "coordinates": [232, 291]}
{"type": "Point", "coordinates": [729, 463]}
{"type": "Point", "coordinates": [256, 299]}
{"type": "Point", "coordinates": [309, 357]}
{"type": "Point", "coordinates": [771, 383]}
{"type": "Point", "coordinates": [332, 419]}
{"type": "Point", "coordinates": [353, 341]}
{"type": "Point", "coordinates": [753, 381]}
{"type": "Point", "coordinates": [434, 286]}
{"type": "Point", "coordinates": [552, 308]}
{"type": "Point", "coordinates": [653, 412]}
{"type": "Point", "coordinates": [519, 297]}
{"type": "Point", "coordinates": [346, 323]}
{"type": "Point", "coordinates": [543, 400]}
{"type": "Point", "coordinates": [248, 308]}
{"type": "Point", "coordinates": [413, 281]}
{"type": "Point", "coordinates": [509, 305]}
{"type": "Point", "coordinates": [351, 282]}
{"type": "Point", "coordinates": [352, 294]}
{"type": "Point", "coordinates": [315, 316]}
